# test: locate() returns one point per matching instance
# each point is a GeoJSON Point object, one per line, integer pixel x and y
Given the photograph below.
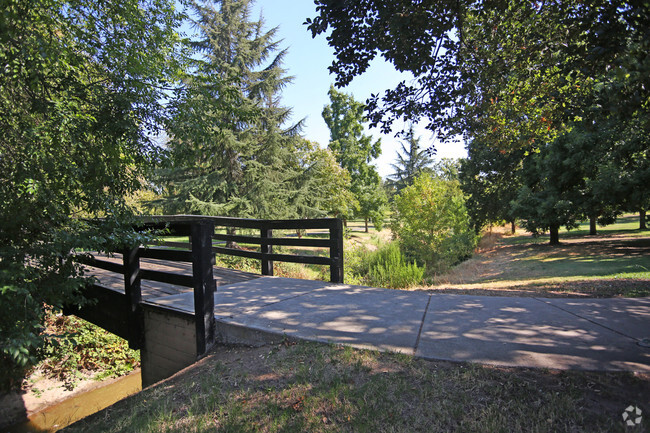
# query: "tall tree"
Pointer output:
{"type": "Point", "coordinates": [354, 151]}
{"type": "Point", "coordinates": [490, 178]}
{"type": "Point", "coordinates": [231, 152]}
{"type": "Point", "coordinates": [81, 86]}
{"type": "Point", "coordinates": [410, 162]}
{"type": "Point", "coordinates": [556, 184]}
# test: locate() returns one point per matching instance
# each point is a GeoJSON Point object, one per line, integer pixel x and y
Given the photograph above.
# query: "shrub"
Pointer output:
{"type": "Point", "coordinates": [388, 268]}
{"type": "Point", "coordinates": [432, 224]}
{"type": "Point", "coordinates": [75, 346]}
{"type": "Point", "coordinates": [353, 267]}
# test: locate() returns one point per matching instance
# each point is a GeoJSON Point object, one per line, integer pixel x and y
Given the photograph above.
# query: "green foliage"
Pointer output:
{"type": "Point", "coordinates": [81, 88]}
{"type": "Point", "coordinates": [410, 162]}
{"type": "Point", "coordinates": [354, 151]}
{"type": "Point", "coordinates": [387, 267]}
{"type": "Point", "coordinates": [384, 267]}
{"type": "Point", "coordinates": [325, 183]}
{"type": "Point", "coordinates": [353, 266]}
{"type": "Point", "coordinates": [511, 72]}
{"type": "Point", "coordinates": [75, 347]}
{"type": "Point", "coordinates": [515, 77]}
{"type": "Point", "coordinates": [431, 223]}
{"type": "Point", "coordinates": [558, 183]}
{"type": "Point", "coordinates": [241, 263]}
{"type": "Point", "coordinates": [490, 179]}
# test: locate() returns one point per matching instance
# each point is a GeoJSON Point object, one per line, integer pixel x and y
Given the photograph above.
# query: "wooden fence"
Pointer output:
{"type": "Point", "coordinates": [122, 313]}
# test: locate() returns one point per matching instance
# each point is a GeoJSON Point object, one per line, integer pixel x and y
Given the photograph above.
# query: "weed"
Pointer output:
{"type": "Point", "coordinates": [75, 347]}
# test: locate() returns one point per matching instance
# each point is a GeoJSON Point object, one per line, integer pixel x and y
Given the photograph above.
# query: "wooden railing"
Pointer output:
{"type": "Point", "coordinates": [124, 317]}
{"type": "Point", "coordinates": [333, 229]}
{"type": "Point", "coordinates": [122, 313]}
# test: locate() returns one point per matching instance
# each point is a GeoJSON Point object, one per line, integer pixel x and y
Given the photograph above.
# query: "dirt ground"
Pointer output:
{"type": "Point", "coordinates": [37, 393]}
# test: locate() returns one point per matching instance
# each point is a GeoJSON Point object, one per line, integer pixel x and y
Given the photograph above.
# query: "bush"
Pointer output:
{"type": "Point", "coordinates": [388, 268]}
{"type": "Point", "coordinates": [353, 267]}
{"type": "Point", "coordinates": [75, 346]}
{"type": "Point", "coordinates": [432, 224]}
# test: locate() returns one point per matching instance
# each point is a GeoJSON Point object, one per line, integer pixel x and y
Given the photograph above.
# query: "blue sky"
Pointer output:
{"type": "Point", "coordinates": [307, 61]}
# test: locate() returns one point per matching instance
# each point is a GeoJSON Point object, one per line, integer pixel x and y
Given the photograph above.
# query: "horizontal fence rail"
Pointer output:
{"type": "Point", "coordinates": [127, 316]}
{"type": "Point", "coordinates": [333, 227]}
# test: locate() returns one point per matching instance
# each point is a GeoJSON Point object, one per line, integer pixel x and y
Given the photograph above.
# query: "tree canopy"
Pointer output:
{"type": "Point", "coordinates": [512, 63]}
{"type": "Point", "coordinates": [529, 79]}
{"type": "Point", "coordinates": [81, 91]}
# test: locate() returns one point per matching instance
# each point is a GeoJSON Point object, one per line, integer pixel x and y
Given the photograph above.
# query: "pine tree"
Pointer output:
{"type": "Point", "coordinates": [230, 151]}
{"type": "Point", "coordinates": [410, 162]}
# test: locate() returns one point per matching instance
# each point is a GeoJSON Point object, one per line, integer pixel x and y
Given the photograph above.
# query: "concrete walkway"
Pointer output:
{"type": "Point", "coordinates": [586, 334]}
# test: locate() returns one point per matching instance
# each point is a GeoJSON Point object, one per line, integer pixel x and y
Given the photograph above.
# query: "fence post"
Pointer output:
{"type": "Point", "coordinates": [267, 265]}
{"type": "Point", "coordinates": [133, 292]}
{"type": "Point", "coordinates": [336, 251]}
{"type": "Point", "coordinates": [204, 285]}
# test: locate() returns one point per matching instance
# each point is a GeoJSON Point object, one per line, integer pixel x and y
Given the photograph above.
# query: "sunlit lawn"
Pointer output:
{"type": "Point", "coordinates": [625, 226]}
{"type": "Point", "coordinates": [616, 262]}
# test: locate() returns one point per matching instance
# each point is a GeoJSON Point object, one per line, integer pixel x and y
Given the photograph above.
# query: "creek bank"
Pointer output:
{"type": "Point", "coordinates": [44, 404]}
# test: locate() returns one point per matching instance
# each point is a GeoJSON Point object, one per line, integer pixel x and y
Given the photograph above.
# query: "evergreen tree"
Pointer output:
{"type": "Point", "coordinates": [230, 151]}
{"type": "Point", "coordinates": [556, 188]}
{"type": "Point", "coordinates": [410, 162]}
{"type": "Point", "coordinates": [354, 151]}
{"type": "Point", "coordinates": [490, 178]}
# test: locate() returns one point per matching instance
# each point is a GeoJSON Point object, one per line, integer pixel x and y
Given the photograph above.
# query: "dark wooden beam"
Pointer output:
{"type": "Point", "coordinates": [336, 252]}
{"type": "Point", "coordinates": [266, 249]}
{"type": "Point", "coordinates": [204, 285]}
{"type": "Point", "coordinates": [133, 292]}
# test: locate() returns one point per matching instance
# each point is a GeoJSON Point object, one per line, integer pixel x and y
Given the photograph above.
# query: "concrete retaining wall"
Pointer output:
{"type": "Point", "coordinates": [169, 343]}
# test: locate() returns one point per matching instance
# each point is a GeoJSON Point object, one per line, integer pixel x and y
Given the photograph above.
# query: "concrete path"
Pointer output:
{"type": "Point", "coordinates": [586, 334]}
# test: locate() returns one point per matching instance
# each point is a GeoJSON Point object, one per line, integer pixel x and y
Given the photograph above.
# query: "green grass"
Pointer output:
{"type": "Point", "coordinates": [625, 226]}
{"type": "Point", "coordinates": [310, 387]}
{"type": "Point", "coordinates": [623, 256]}
{"type": "Point", "coordinates": [616, 262]}
{"type": "Point", "coordinates": [603, 265]}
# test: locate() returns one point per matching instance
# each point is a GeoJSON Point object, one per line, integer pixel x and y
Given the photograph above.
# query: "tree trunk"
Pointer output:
{"type": "Point", "coordinates": [592, 226]}
{"type": "Point", "coordinates": [366, 225]}
{"type": "Point", "coordinates": [642, 224]}
{"type": "Point", "coordinates": [513, 227]}
{"type": "Point", "coordinates": [231, 231]}
{"type": "Point", "coordinates": [555, 234]}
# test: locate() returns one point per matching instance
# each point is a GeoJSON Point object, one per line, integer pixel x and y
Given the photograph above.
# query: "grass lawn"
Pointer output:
{"type": "Point", "coordinates": [626, 226]}
{"type": "Point", "coordinates": [311, 387]}
{"type": "Point", "coordinates": [616, 262]}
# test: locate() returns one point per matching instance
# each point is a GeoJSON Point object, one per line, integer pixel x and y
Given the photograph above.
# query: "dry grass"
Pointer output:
{"type": "Point", "coordinates": [505, 265]}
{"type": "Point", "coordinates": [322, 388]}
